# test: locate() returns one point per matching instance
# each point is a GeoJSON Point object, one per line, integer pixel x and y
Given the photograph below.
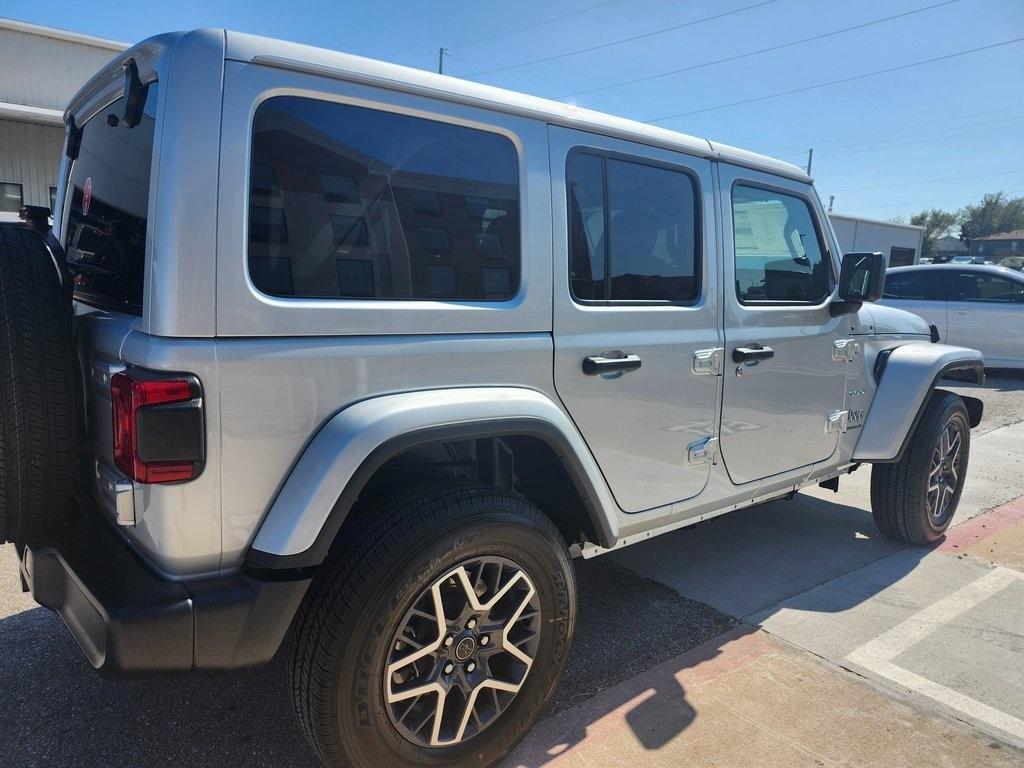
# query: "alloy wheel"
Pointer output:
{"type": "Point", "coordinates": [944, 473]}
{"type": "Point", "coordinates": [462, 652]}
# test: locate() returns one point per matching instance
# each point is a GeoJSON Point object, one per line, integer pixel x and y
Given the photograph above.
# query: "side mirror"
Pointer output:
{"type": "Point", "coordinates": [861, 278]}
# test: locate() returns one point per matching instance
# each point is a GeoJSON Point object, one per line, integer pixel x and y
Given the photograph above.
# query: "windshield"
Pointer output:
{"type": "Point", "coordinates": [108, 192]}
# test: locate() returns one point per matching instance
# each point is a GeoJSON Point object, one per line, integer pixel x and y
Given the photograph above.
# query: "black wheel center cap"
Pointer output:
{"type": "Point", "coordinates": [465, 648]}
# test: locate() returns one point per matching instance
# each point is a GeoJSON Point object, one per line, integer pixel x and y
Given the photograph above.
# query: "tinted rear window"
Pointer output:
{"type": "Point", "coordinates": [347, 202]}
{"type": "Point", "coordinates": [108, 195]}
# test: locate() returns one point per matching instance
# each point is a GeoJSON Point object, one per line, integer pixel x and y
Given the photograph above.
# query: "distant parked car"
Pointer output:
{"type": "Point", "coordinates": [977, 306]}
{"type": "Point", "coordinates": [961, 260]}
{"type": "Point", "coordinates": [1013, 262]}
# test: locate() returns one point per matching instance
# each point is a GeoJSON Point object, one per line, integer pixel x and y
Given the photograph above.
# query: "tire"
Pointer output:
{"type": "Point", "coordinates": [37, 427]}
{"type": "Point", "coordinates": [374, 583]}
{"type": "Point", "coordinates": [903, 506]}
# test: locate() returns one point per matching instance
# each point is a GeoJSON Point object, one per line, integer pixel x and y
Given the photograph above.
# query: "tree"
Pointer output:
{"type": "Point", "coordinates": [994, 214]}
{"type": "Point", "coordinates": [936, 224]}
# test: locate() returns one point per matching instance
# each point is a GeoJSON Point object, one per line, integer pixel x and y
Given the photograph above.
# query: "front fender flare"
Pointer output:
{"type": "Point", "coordinates": [909, 375]}
{"type": "Point", "coordinates": [307, 514]}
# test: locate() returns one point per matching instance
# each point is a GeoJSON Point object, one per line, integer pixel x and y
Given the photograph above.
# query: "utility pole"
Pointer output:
{"type": "Point", "coordinates": [810, 156]}
{"type": "Point", "coordinates": [440, 60]}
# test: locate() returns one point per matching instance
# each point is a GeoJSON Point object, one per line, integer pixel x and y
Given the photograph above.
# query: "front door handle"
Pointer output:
{"type": "Point", "coordinates": [596, 364]}
{"type": "Point", "coordinates": [752, 353]}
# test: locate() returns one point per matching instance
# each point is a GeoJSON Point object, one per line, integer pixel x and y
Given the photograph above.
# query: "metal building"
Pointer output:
{"type": "Point", "coordinates": [40, 70]}
{"type": "Point", "coordinates": [900, 243]}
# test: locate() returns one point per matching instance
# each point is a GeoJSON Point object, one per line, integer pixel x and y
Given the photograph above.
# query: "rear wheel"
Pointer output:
{"type": "Point", "coordinates": [435, 633]}
{"type": "Point", "coordinates": [914, 500]}
{"type": "Point", "coordinates": [37, 439]}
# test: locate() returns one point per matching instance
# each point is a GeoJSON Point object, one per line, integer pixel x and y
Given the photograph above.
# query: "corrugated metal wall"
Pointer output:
{"type": "Point", "coordinates": [43, 71]}
{"type": "Point", "coordinates": [30, 156]}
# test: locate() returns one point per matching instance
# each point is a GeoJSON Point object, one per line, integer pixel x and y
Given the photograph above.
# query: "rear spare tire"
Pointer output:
{"type": "Point", "coordinates": [37, 414]}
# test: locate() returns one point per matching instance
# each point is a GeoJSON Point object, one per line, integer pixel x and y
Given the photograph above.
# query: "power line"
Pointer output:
{"type": "Point", "coordinates": [959, 198]}
{"type": "Point", "coordinates": [930, 181]}
{"type": "Point", "coordinates": [907, 141]}
{"type": "Point", "coordinates": [845, 139]}
{"type": "Point", "coordinates": [623, 40]}
{"type": "Point", "coordinates": [748, 54]}
{"type": "Point", "coordinates": [535, 24]}
{"type": "Point", "coordinates": [864, 145]}
{"type": "Point", "coordinates": [840, 81]}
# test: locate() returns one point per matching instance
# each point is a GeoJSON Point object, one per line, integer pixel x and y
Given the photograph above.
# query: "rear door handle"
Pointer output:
{"type": "Point", "coordinates": [752, 353]}
{"type": "Point", "coordinates": [596, 364]}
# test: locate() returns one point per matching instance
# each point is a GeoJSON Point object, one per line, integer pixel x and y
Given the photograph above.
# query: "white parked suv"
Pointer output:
{"type": "Point", "coordinates": [337, 351]}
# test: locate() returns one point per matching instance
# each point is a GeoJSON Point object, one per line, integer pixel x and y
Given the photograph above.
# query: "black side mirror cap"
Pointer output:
{"type": "Point", "coordinates": [862, 277]}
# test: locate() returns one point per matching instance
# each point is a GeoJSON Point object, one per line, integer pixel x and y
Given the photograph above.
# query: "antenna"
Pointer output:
{"type": "Point", "coordinates": [810, 156]}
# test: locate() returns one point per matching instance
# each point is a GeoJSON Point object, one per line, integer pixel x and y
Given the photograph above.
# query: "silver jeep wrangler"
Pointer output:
{"type": "Point", "coordinates": [337, 355]}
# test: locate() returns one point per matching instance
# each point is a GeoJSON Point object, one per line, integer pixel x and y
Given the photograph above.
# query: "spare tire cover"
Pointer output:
{"type": "Point", "coordinates": [37, 411]}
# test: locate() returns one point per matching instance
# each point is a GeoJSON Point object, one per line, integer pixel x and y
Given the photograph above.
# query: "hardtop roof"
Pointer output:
{"type": "Point", "coordinates": [265, 51]}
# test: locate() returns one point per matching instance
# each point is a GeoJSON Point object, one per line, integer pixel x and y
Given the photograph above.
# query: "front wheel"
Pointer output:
{"type": "Point", "coordinates": [914, 499]}
{"type": "Point", "coordinates": [435, 633]}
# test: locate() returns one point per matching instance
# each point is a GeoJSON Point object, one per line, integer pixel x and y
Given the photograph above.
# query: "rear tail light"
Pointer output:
{"type": "Point", "coordinates": [158, 426]}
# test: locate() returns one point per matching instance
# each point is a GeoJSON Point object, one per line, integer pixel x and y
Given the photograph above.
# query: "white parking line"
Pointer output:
{"type": "Point", "coordinates": [877, 655]}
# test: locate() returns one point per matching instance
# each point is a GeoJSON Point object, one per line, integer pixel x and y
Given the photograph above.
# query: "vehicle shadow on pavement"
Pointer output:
{"type": "Point", "coordinates": [746, 563]}
{"type": "Point", "coordinates": [57, 711]}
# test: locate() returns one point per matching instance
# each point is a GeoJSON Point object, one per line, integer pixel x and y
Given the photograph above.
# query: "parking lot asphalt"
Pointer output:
{"type": "Point", "coordinates": [789, 634]}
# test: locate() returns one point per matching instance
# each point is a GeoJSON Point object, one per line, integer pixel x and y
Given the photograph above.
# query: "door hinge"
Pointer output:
{"type": "Point", "coordinates": [836, 421]}
{"type": "Point", "coordinates": [703, 451]}
{"type": "Point", "coordinates": [708, 361]}
{"type": "Point", "coordinates": [845, 350]}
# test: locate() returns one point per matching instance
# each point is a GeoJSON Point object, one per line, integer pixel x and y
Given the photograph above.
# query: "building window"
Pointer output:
{"type": "Point", "coordinates": [425, 202]}
{"type": "Point", "coordinates": [633, 231]}
{"type": "Point", "coordinates": [497, 281]}
{"type": "Point", "coordinates": [434, 240]}
{"type": "Point", "coordinates": [339, 189]}
{"type": "Point", "coordinates": [350, 231]}
{"type": "Point", "coordinates": [355, 277]}
{"type": "Point", "coordinates": [441, 280]}
{"type": "Point", "coordinates": [390, 171]}
{"type": "Point", "coordinates": [267, 225]}
{"type": "Point", "coordinates": [777, 249]}
{"type": "Point", "coordinates": [11, 199]}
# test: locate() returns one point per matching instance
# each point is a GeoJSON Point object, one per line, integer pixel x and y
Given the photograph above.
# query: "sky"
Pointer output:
{"type": "Point", "coordinates": [935, 134]}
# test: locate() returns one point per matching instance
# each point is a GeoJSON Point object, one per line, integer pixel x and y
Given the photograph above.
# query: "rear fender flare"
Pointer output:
{"type": "Point", "coordinates": [307, 514]}
{"type": "Point", "coordinates": [909, 375]}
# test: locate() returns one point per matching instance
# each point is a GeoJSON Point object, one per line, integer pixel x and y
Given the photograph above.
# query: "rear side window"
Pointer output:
{"type": "Point", "coordinates": [779, 255]}
{"type": "Point", "coordinates": [917, 284]}
{"type": "Point", "coordinates": [347, 202]}
{"type": "Point", "coordinates": [632, 231]}
{"type": "Point", "coordinates": [108, 190]}
{"type": "Point", "coordinates": [983, 287]}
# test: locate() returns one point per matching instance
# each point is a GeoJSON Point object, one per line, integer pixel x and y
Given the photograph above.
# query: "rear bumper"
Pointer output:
{"type": "Point", "coordinates": [125, 618]}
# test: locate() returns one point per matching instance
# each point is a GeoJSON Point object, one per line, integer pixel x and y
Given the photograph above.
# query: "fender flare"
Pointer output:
{"type": "Point", "coordinates": [907, 375]}
{"type": "Point", "coordinates": [304, 519]}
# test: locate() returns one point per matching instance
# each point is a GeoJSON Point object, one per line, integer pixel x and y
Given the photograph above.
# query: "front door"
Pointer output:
{"type": "Point", "coordinates": [635, 302]}
{"type": "Point", "coordinates": [782, 382]}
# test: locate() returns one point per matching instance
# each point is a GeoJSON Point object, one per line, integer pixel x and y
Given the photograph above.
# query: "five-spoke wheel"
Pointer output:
{"type": "Point", "coordinates": [462, 652]}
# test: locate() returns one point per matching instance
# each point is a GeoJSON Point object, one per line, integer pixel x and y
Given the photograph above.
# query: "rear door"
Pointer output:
{"type": "Point", "coordinates": [636, 311]}
{"type": "Point", "coordinates": [784, 382]}
{"type": "Point", "coordinates": [986, 312]}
